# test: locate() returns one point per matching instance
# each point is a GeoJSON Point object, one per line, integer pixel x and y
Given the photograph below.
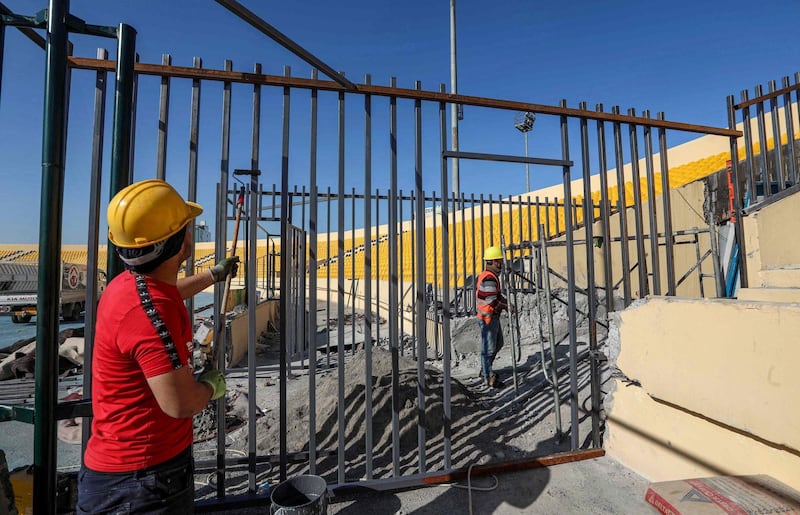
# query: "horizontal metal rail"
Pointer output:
{"type": "Point", "coordinates": [386, 91]}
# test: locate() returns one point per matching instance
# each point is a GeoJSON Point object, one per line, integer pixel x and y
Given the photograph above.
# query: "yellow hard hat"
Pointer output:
{"type": "Point", "coordinates": [147, 212]}
{"type": "Point", "coordinates": [492, 253]}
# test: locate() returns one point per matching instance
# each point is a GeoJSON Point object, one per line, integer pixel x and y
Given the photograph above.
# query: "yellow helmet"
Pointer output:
{"type": "Point", "coordinates": [147, 212]}
{"type": "Point", "coordinates": [492, 253]}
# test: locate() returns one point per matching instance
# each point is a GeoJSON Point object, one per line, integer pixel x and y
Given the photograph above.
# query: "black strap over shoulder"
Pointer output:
{"type": "Point", "coordinates": [155, 318]}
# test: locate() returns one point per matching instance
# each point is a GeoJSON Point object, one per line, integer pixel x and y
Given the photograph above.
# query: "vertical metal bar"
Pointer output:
{"type": "Point", "coordinates": [98, 130]}
{"type": "Point", "coordinates": [328, 285]}
{"type": "Point", "coordinates": [471, 301]}
{"type": "Point", "coordinates": [194, 132]}
{"type": "Point", "coordinates": [463, 243]}
{"type": "Point", "coordinates": [252, 239]}
{"type": "Point", "coordinates": [435, 299]}
{"type": "Point", "coordinates": [766, 179]}
{"type": "Point", "coordinates": [377, 270]}
{"type": "Point", "coordinates": [134, 100]}
{"type": "Point", "coordinates": [719, 279]}
{"type": "Point", "coordinates": [797, 106]}
{"type": "Point", "coordinates": [737, 198]}
{"type": "Point", "coordinates": [340, 354]}
{"type": "Point", "coordinates": [412, 203]}
{"type": "Point", "coordinates": [547, 209]}
{"type": "Point", "coordinates": [402, 263]}
{"type": "Point", "coordinates": [748, 149]}
{"type": "Point", "coordinates": [605, 214]}
{"type": "Point", "coordinates": [623, 209]}
{"type": "Point", "coordinates": [394, 313]}
{"type": "Point", "coordinates": [221, 240]}
{"type": "Point", "coordinates": [651, 206]}
{"type": "Point", "coordinates": [50, 269]}
{"type": "Point", "coordinates": [669, 239]}
{"type": "Point", "coordinates": [2, 49]}
{"type": "Point", "coordinates": [313, 220]}
{"type": "Point", "coordinates": [421, 279]}
{"type": "Point", "coordinates": [446, 351]}
{"type": "Point", "coordinates": [699, 259]}
{"type": "Point", "coordinates": [353, 282]}
{"type": "Point", "coordinates": [641, 257]}
{"type": "Point", "coordinates": [122, 129]}
{"type": "Point", "coordinates": [163, 121]}
{"type": "Point", "coordinates": [491, 220]}
{"type": "Point", "coordinates": [454, 197]}
{"type": "Point", "coordinates": [571, 311]}
{"type": "Point", "coordinates": [588, 219]}
{"type": "Point", "coordinates": [776, 138]}
{"type": "Point", "coordinates": [502, 229]}
{"type": "Point", "coordinates": [368, 273]}
{"type": "Point", "coordinates": [788, 119]}
{"type": "Point", "coordinates": [252, 333]}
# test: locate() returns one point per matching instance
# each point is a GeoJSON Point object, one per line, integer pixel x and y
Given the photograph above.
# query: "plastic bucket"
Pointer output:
{"type": "Point", "coordinates": [301, 495]}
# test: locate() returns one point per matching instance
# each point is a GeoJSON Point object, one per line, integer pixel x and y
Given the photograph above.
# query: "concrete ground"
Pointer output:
{"type": "Point", "coordinates": [595, 486]}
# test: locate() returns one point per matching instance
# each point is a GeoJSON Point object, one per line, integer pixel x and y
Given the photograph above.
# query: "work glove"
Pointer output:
{"type": "Point", "coordinates": [227, 266]}
{"type": "Point", "coordinates": [216, 380]}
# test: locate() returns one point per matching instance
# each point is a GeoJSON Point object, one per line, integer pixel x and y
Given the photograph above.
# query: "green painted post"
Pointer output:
{"type": "Point", "coordinates": [121, 173]}
{"type": "Point", "coordinates": [50, 272]}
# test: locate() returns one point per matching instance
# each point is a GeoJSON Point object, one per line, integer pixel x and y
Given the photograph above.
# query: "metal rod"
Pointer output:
{"type": "Point", "coordinates": [194, 133]}
{"type": "Point", "coordinates": [340, 354]}
{"type": "Point", "coordinates": [737, 200]}
{"type": "Point", "coordinates": [50, 270]}
{"type": "Point", "coordinates": [92, 262]}
{"type": "Point", "coordinates": [163, 122]}
{"type": "Point", "coordinates": [666, 197]}
{"type": "Point", "coordinates": [411, 94]}
{"type": "Point", "coordinates": [748, 149]}
{"type": "Point", "coordinates": [280, 38]}
{"type": "Point", "coordinates": [588, 219]}
{"type": "Point", "coordinates": [368, 277]}
{"type": "Point", "coordinates": [605, 215]}
{"type": "Point", "coordinates": [776, 137]}
{"type": "Point", "coordinates": [766, 179]}
{"type": "Point", "coordinates": [313, 220]}
{"type": "Point", "coordinates": [641, 256]}
{"type": "Point", "coordinates": [651, 207]}
{"type": "Point", "coordinates": [122, 127]}
{"type": "Point", "coordinates": [573, 342]}
{"type": "Point", "coordinates": [551, 338]}
{"type": "Point", "coordinates": [419, 308]}
{"type": "Point", "coordinates": [622, 209]}
{"type": "Point", "coordinates": [395, 334]}
{"type": "Point", "coordinates": [789, 123]}
{"type": "Point", "coordinates": [446, 351]}
{"type": "Point", "coordinates": [221, 239]}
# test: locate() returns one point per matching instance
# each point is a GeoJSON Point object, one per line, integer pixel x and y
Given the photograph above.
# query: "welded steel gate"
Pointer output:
{"type": "Point", "coordinates": [370, 250]}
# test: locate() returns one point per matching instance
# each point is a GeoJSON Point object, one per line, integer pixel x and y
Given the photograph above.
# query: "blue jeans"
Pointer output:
{"type": "Point", "coordinates": [491, 343]}
{"type": "Point", "coordinates": [167, 488]}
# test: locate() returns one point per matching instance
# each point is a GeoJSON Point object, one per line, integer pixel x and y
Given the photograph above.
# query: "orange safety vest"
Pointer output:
{"type": "Point", "coordinates": [487, 295]}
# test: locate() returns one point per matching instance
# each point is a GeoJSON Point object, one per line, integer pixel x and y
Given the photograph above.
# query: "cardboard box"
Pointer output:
{"type": "Point", "coordinates": [739, 495]}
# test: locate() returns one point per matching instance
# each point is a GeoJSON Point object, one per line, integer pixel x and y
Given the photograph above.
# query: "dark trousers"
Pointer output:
{"type": "Point", "coordinates": [166, 488]}
{"type": "Point", "coordinates": [491, 343]}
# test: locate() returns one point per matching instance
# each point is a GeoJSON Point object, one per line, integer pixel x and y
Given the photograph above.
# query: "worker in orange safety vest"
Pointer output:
{"type": "Point", "coordinates": [490, 303]}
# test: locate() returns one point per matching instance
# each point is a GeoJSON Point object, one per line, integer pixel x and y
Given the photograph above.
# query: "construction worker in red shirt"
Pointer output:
{"type": "Point", "coordinates": [490, 304]}
{"type": "Point", "coordinates": [144, 393]}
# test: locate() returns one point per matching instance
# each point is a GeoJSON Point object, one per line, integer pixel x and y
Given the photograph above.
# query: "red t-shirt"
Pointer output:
{"type": "Point", "coordinates": [129, 429]}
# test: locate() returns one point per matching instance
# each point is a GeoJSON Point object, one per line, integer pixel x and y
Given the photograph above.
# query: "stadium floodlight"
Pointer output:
{"type": "Point", "coordinates": [524, 123]}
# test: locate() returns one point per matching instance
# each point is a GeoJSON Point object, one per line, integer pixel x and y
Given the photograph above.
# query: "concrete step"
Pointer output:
{"type": "Point", "coordinates": [781, 277]}
{"type": "Point", "coordinates": [769, 294]}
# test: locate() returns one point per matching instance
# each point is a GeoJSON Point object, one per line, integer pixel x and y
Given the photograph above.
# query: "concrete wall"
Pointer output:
{"type": "Point", "coordinates": [712, 385]}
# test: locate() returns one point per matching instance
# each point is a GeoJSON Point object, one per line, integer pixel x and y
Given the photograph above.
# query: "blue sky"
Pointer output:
{"type": "Point", "coordinates": [681, 57]}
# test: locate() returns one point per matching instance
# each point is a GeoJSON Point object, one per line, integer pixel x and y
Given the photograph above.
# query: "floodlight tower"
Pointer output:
{"type": "Point", "coordinates": [524, 123]}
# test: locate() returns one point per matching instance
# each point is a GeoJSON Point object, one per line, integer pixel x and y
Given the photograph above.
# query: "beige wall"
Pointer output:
{"type": "Point", "coordinates": [714, 382]}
